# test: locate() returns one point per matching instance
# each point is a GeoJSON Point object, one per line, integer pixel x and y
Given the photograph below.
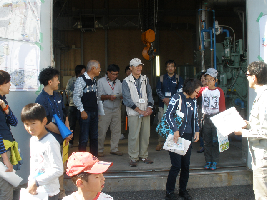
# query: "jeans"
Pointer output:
{"type": "Point", "coordinates": [89, 130]}
{"type": "Point", "coordinates": [179, 162]}
{"type": "Point", "coordinates": [73, 117]}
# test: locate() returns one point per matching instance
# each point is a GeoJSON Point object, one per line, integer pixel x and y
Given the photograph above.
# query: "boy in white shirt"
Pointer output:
{"type": "Point", "coordinates": [45, 161]}
{"type": "Point", "coordinates": [86, 171]}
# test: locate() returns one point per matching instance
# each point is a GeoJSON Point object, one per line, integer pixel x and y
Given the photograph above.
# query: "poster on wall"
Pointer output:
{"type": "Point", "coordinates": [20, 20]}
{"type": "Point", "coordinates": [263, 37]}
{"type": "Point", "coordinates": [21, 60]}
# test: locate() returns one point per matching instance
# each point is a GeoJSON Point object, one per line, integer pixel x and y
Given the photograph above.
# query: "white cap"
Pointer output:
{"type": "Point", "coordinates": [135, 62]}
{"type": "Point", "coordinates": [212, 72]}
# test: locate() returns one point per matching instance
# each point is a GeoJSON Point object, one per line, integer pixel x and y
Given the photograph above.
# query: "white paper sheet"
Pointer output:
{"type": "Point", "coordinates": [228, 121]}
{"type": "Point", "coordinates": [223, 142]}
{"type": "Point", "coordinates": [25, 195]}
{"type": "Point", "coordinates": [180, 148]}
{"type": "Point", "coordinates": [10, 177]}
{"type": "Point", "coordinates": [100, 108]}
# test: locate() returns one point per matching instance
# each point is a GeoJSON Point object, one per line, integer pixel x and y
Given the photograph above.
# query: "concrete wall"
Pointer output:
{"type": "Point", "coordinates": [17, 100]}
{"type": "Point", "coordinates": [254, 8]}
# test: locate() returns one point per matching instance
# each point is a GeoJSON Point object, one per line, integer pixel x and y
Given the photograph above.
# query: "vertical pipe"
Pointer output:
{"type": "Point", "coordinates": [106, 49]}
{"type": "Point", "coordinates": [81, 48]}
{"type": "Point", "coordinates": [243, 30]}
{"type": "Point", "coordinates": [214, 39]}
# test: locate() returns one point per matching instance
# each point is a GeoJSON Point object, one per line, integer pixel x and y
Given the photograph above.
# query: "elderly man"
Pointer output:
{"type": "Point", "coordinates": [109, 91]}
{"type": "Point", "coordinates": [256, 129]}
{"type": "Point", "coordinates": [137, 97]}
{"type": "Point", "coordinates": [85, 99]}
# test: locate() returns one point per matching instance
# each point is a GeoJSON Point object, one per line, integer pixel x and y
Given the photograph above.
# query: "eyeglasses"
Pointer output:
{"type": "Point", "coordinates": [197, 92]}
{"type": "Point", "coordinates": [114, 74]}
{"type": "Point", "coordinates": [248, 75]}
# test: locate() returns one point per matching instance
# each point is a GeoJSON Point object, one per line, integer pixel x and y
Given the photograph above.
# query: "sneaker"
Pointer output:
{"type": "Point", "coordinates": [147, 161]}
{"type": "Point", "coordinates": [133, 163]}
{"type": "Point", "coordinates": [207, 166]}
{"type": "Point", "coordinates": [213, 166]}
{"type": "Point", "coordinates": [185, 195]}
{"type": "Point", "coordinates": [201, 149]}
{"type": "Point", "coordinates": [100, 154]}
{"type": "Point", "coordinates": [118, 153]}
{"type": "Point", "coordinates": [171, 196]}
{"type": "Point", "coordinates": [159, 147]}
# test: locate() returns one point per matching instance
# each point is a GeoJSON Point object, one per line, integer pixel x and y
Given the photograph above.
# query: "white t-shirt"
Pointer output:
{"type": "Point", "coordinates": [46, 163]}
{"type": "Point", "coordinates": [100, 196]}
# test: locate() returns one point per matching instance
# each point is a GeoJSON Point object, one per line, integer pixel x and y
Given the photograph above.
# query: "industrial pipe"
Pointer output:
{"type": "Point", "coordinates": [227, 32]}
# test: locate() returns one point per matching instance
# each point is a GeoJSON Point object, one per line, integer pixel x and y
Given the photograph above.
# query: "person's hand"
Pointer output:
{"type": "Point", "coordinates": [7, 162]}
{"type": "Point", "coordinates": [176, 136]}
{"type": "Point", "coordinates": [238, 132]}
{"type": "Point", "coordinates": [112, 97]}
{"type": "Point", "coordinates": [196, 137]}
{"type": "Point", "coordinates": [69, 137]}
{"type": "Point", "coordinates": [148, 111]}
{"type": "Point", "coordinates": [84, 115]}
{"type": "Point", "coordinates": [32, 187]}
{"type": "Point", "coordinates": [2, 104]}
{"type": "Point", "coordinates": [166, 101]}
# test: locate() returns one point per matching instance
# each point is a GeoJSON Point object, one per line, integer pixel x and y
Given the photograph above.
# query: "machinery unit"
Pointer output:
{"type": "Point", "coordinates": [228, 57]}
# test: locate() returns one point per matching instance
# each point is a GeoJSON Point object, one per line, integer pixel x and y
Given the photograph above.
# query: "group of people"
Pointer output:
{"type": "Point", "coordinates": [178, 98]}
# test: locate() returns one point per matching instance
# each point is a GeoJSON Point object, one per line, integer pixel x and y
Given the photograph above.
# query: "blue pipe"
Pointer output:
{"type": "Point", "coordinates": [202, 37]}
{"type": "Point", "coordinates": [239, 101]}
{"type": "Point", "coordinates": [227, 32]}
{"type": "Point", "coordinates": [214, 39]}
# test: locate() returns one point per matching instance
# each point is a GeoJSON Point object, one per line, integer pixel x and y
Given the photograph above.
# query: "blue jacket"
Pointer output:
{"type": "Point", "coordinates": [53, 104]}
{"type": "Point", "coordinates": [169, 84]}
{"type": "Point", "coordinates": [171, 110]}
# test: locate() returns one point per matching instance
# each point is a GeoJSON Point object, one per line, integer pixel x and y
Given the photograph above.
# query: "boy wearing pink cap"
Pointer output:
{"type": "Point", "coordinates": [86, 171]}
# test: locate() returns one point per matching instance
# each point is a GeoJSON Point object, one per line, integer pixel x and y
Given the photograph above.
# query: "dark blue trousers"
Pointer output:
{"type": "Point", "coordinates": [89, 130]}
{"type": "Point", "coordinates": [179, 162]}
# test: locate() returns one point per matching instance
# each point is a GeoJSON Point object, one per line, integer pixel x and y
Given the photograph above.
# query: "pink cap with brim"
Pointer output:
{"type": "Point", "coordinates": [85, 162]}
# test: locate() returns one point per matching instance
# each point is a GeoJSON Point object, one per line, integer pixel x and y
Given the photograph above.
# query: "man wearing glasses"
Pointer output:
{"type": "Point", "coordinates": [110, 92]}
{"type": "Point", "coordinates": [256, 129]}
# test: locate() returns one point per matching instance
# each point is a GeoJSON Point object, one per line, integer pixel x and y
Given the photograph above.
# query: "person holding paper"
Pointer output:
{"type": "Point", "coordinates": [46, 164]}
{"type": "Point", "coordinates": [256, 129]}
{"type": "Point", "coordinates": [183, 104]}
{"type": "Point", "coordinates": [167, 86]}
{"type": "Point", "coordinates": [7, 118]}
{"type": "Point", "coordinates": [110, 92]}
{"type": "Point", "coordinates": [85, 99]}
{"type": "Point", "coordinates": [213, 102]}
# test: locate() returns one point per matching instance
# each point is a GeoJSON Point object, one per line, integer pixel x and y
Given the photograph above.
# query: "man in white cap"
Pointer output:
{"type": "Point", "coordinates": [137, 97]}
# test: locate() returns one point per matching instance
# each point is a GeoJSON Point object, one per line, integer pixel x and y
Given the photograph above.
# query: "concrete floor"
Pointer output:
{"type": "Point", "coordinates": [229, 158]}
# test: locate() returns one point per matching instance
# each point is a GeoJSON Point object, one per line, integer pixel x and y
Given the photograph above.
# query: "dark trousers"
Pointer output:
{"type": "Point", "coordinates": [73, 115]}
{"type": "Point", "coordinates": [211, 144]}
{"type": "Point", "coordinates": [179, 162]}
{"type": "Point", "coordinates": [89, 130]}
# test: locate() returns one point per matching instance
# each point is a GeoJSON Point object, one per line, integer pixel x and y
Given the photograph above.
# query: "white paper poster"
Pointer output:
{"type": "Point", "coordinates": [21, 60]}
{"type": "Point", "coordinates": [263, 37]}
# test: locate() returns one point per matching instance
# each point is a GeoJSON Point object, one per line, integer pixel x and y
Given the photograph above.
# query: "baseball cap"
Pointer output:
{"type": "Point", "coordinates": [135, 62]}
{"type": "Point", "coordinates": [85, 162]}
{"type": "Point", "coordinates": [212, 72]}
